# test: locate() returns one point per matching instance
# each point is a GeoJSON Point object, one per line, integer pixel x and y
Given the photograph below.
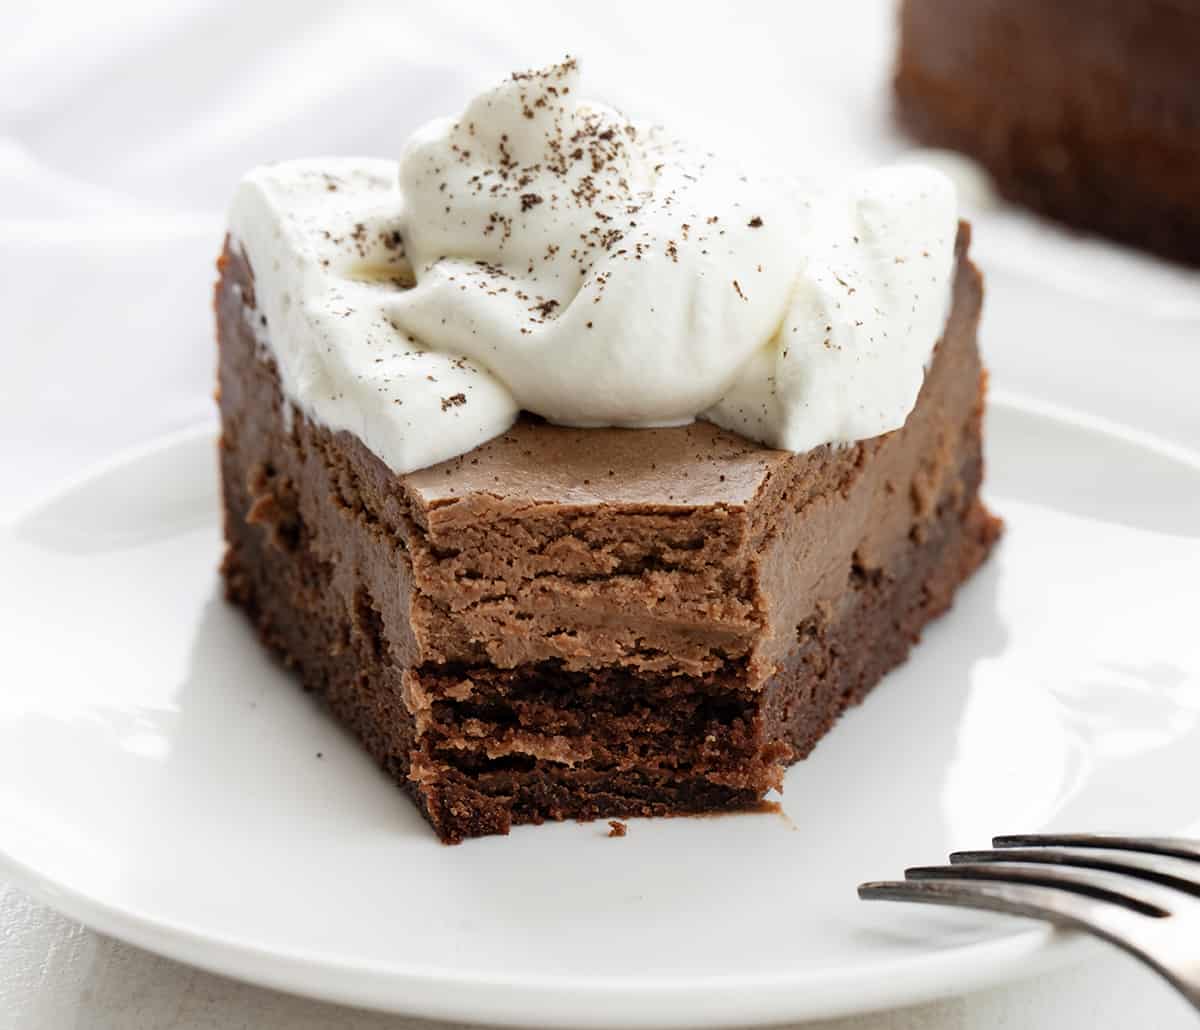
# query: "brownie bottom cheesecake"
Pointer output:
{"type": "Point", "coordinates": [1085, 110]}
{"type": "Point", "coordinates": [581, 623]}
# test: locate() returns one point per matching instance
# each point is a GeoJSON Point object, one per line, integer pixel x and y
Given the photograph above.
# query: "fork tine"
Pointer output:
{"type": "Point", "coordinates": [1119, 924]}
{"type": "Point", "coordinates": [1135, 896]}
{"type": "Point", "coordinates": [1151, 867]}
{"type": "Point", "coordinates": [1173, 847]}
{"type": "Point", "coordinates": [1035, 901]}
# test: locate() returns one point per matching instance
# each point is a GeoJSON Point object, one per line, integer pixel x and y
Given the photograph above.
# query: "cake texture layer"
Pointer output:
{"type": "Point", "coordinates": [581, 623]}
{"type": "Point", "coordinates": [1085, 110]}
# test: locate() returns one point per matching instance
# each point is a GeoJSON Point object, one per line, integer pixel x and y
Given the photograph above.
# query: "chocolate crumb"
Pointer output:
{"type": "Point", "coordinates": [755, 222]}
{"type": "Point", "coordinates": [616, 828]}
{"type": "Point", "coordinates": [456, 400]}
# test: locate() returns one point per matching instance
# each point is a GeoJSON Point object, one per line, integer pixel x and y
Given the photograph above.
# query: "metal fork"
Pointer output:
{"type": "Point", "coordinates": [1140, 893]}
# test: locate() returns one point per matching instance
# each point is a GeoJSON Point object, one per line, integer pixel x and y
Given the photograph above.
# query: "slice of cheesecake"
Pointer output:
{"type": "Point", "coordinates": [1084, 110]}
{"type": "Point", "coordinates": [566, 623]}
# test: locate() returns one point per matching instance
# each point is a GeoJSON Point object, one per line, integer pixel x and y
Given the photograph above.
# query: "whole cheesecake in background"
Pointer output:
{"type": "Point", "coordinates": [583, 474]}
{"type": "Point", "coordinates": [1085, 110]}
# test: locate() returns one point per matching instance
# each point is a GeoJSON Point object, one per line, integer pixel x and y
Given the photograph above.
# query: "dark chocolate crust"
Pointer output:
{"type": "Point", "coordinates": [604, 623]}
{"type": "Point", "coordinates": [1085, 110]}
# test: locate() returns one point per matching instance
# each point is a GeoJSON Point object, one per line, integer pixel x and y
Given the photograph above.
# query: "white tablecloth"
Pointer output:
{"type": "Point", "coordinates": [123, 129]}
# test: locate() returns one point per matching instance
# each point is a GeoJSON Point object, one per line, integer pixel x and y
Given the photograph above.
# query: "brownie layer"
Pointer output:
{"type": "Point", "coordinates": [584, 623]}
{"type": "Point", "coordinates": [1085, 110]}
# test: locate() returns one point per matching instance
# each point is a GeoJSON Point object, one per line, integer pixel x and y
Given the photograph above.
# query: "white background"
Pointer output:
{"type": "Point", "coordinates": [123, 129]}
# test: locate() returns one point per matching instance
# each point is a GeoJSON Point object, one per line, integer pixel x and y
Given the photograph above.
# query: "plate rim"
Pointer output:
{"type": "Point", "coordinates": [446, 993]}
{"type": "Point", "coordinates": [588, 1003]}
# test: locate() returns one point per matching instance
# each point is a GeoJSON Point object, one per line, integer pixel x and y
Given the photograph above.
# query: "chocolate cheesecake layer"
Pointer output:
{"type": "Point", "coordinates": [584, 623]}
{"type": "Point", "coordinates": [1085, 110]}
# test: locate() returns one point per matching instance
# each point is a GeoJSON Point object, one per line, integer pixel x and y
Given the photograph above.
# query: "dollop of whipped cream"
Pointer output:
{"type": "Point", "coordinates": [545, 253]}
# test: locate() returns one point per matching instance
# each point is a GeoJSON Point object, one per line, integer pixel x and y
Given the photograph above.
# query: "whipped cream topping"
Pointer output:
{"type": "Point", "coordinates": [542, 252]}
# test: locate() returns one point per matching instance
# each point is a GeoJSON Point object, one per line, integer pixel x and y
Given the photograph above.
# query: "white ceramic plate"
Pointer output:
{"type": "Point", "coordinates": [163, 781]}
